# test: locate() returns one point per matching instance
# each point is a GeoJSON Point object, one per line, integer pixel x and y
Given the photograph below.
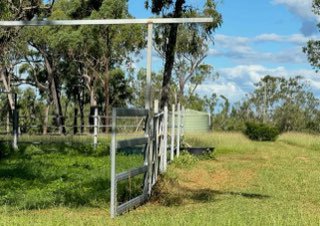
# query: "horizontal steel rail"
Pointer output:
{"type": "Point", "coordinates": [132, 203]}
{"type": "Point", "coordinates": [132, 142]}
{"type": "Point", "coordinates": [131, 173]}
{"type": "Point", "coordinates": [105, 22]}
{"type": "Point", "coordinates": [131, 112]}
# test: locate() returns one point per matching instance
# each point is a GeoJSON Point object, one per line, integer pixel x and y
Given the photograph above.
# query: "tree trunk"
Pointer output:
{"type": "Point", "coordinates": [93, 105]}
{"type": "Point", "coordinates": [170, 53]}
{"type": "Point", "coordinates": [7, 88]}
{"type": "Point", "coordinates": [181, 90]}
{"type": "Point", "coordinates": [8, 123]}
{"type": "Point", "coordinates": [46, 119]}
{"type": "Point", "coordinates": [75, 121]}
{"type": "Point", "coordinates": [81, 108]}
{"type": "Point", "coordinates": [106, 95]}
{"type": "Point", "coordinates": [55, 96]}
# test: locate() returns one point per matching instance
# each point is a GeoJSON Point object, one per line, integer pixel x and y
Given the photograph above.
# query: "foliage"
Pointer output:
{"type": "Point", "coordinates": [261, 132]}
{"type": "Point", "coordinates": [313, 46]}
{"type": "Point", "coordinates": [189, 48]}
{"type": "Point", "coordinates": [185, 160]}
{"type": "Point", "coordinates": [287, 103]}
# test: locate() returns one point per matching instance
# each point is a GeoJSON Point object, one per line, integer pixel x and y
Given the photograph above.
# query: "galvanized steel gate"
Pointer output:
{"type": "Point", "coordinates": [155, 155]}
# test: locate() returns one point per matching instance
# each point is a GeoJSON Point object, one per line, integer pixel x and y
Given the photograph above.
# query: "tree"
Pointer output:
{"type": "Point", "coordinates": [313, 46]}
{"type": "Point", "coordinates": [178, 9]}
{"type": "Point", "coordinates": [16, 10]}
{"type": "Point", "coordinates": [102, 48]}
{"type": "Point", "coordinates": [288, 103]}
{"type": "Point", "coordinates": [81, 58]}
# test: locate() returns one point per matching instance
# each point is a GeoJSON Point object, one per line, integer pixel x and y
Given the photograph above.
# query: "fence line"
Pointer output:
{"type": "Point", "coordinates": [155, 143]}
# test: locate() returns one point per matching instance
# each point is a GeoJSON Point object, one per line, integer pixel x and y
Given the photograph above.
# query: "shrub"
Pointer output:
{"type": "Point", "coordinates": [185, 160]}
{"type": "Point", "coordinates": [261, 131]}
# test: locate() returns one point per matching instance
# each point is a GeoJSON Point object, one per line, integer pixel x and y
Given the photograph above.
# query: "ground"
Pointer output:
{"type": "Point", "coordinates": [246, 183]}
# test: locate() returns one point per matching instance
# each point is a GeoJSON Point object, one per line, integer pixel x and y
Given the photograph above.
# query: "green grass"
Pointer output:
{"type": "Point", "coordinates": [71, 179]}
{"type": "Point", "coordinates": [247, 183]}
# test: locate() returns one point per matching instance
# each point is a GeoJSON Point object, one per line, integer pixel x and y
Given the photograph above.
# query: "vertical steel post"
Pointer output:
{"type": "Point", "coordinates": [178, 129]}
{"type": "Point", "coordinates": [150, 154]}
{"type": "Point", "coordinates": [165, 137]}
{"type": "Point", "coordinates": [156, 141]}
{"type": "Point", "coordinates": [113, 198]}
{"type": "Point", "coordinates": [148, 99]}
{"type": "Point", "coordinates": [95, 132]}
{"type": "Point", "coordinates": [183, 120]}
{"type": "Point", "coordinates": [15, 123]}
{"type": "Point", "coordinates": [172, 133]}
{"type": "Point", "coordinates": [210, 123]}
{"type": "Point", "coordinates": [149, 67]}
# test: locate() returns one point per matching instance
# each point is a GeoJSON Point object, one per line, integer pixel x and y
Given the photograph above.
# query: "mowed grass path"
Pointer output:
{"type": "Point", "coordinates": [248, 183]}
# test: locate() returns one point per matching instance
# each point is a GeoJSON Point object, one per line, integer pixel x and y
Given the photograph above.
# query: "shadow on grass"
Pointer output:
{"type": "Point", "coordinates": [39, 178]}
{"type": "Point", "coordinates": [187, 195]}
{"type": "Point", "coordinates": [32, 184]}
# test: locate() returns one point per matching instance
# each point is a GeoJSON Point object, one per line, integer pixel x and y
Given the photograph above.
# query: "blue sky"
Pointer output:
{"type": "Point", "coordinates": [256, 38]}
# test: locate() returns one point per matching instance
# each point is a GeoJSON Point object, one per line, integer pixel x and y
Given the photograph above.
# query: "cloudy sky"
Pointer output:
{"type": "Point", "coordinates": [256, 38]}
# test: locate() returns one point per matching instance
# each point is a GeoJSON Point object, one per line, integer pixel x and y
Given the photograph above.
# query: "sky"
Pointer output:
{"type": "Point", "coordinates": [256, 38]}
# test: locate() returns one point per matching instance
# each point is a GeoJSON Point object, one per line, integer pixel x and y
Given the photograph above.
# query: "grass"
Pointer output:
{"type": "Point", "coordinates": [247, 183]}
{"type": "Point", "coordinates": [60, 184]}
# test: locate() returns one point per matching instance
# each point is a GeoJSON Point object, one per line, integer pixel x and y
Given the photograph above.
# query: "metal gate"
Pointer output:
{"type": "Point", "coordinates": [155, 142]}
{"type": "Point", "coordinates": [116, 145]}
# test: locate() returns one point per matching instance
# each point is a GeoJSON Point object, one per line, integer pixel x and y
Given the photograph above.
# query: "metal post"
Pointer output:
{"type": "Point", "coordinates": [15, 123]}
{"type": "Point", "coordinates": [156, 142]}
{"type": "Point", "coordinates": [165, 137]}
{"type": "Point", "coordinates": [178, 129]}
{"type": "Point", "coordinates": [183, 120]}
{"type": "Point", "coordinates": [172, 133]}
{"type": "Point", "coordinates": [113, 198]}
{"type": "Point", "coordinates": [210, 123]}
{"type": "Point", "coordinates": [149, 67]}
{"type": "Point", "coordinates": [95, 132]}
{"type": "Point", "coordinates": [150, 156]}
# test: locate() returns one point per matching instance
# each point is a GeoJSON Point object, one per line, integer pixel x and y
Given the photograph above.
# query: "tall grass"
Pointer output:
{"type": "Point", "coordinates": [310, 141]}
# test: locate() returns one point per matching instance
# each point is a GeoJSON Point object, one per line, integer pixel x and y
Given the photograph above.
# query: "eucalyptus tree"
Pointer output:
{"type": "Point", "coordinates": [191, 45]}
{"type": "Point", "coordinates": [287, 103]}
{"type": "Point", "coordinates": [118, 43]}
{"type": "Point", "coordinates": [81, 57]}
{"type": "Point", "coordinates": [313, 46]}
{"type": "Point", "coordinates": [9, 36]}
{"type": "Point", "coordinates": [97, 50]}
{"type": "Point", "coordinates": [45, 57]}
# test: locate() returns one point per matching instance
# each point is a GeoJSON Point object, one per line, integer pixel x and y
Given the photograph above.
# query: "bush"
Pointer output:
{"type": "Point", "coordinates": [185, 160]}
{"type": "Point", "coordinates": [261, 131]}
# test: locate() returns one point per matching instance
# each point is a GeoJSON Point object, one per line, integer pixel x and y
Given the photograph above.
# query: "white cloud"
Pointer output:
{"type": "Point", "coordinates": [314, 84]}
{"type": "Point", "coordinates": [228, 89]}
{"type": "Point", "coordinates": [299, 39]}
{"type": "Point", "coordinates": [303, 10]}
{"type": "Point", "coordinates": [226, 39]}
{"type": "Point", "coordinates": [236, 82]}
{"type": "Point", "coordinates": [243, 51]}
{"type": "Point", "coordinates": [250, 73]}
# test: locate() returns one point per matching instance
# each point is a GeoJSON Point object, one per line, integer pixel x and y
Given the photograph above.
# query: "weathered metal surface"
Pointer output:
{"type": "Point", "coordinates": [105, 22]}
{"type": "Point", "coordinates": [132, 203]}
{"type": "Point", "coordinates": [131, 112]}
{"type": "Point", "coordinates": [131, 173]}
{"type": "Point", "coordinates": [132, 142]}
